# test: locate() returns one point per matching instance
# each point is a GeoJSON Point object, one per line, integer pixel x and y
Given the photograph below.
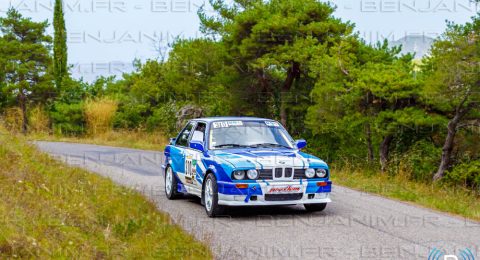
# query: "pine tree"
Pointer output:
{"type": "Point", "coordinates": [60, 66]}
{"type": "Point", "coordinates": [24, 59]}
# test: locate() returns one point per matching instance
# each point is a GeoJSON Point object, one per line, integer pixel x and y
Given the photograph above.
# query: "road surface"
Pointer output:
{"type": "Point", "coordinates": [356, 225]}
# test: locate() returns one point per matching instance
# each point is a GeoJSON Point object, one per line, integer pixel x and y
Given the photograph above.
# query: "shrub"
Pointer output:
{"type": "Point", "coordinates": [466, 174]}
{"type": "Point", "coordinates": [130, 115]}
{"type": "Point", "coordinates": [13, 119]}
{"type": "Point", "coordinates": [68, 119]}
{"type": "Point", "coordinates": [164, 119]}
{"type": "Point", "coordinates": [99, 114]}
{"type": "Point", "coordinates": [38, 120]}
{"type": "Point", "coordinates": [419, 162]}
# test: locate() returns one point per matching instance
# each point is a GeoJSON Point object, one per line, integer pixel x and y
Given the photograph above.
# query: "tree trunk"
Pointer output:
{"type": "Point", "coordinates": [448, 145]}
{"type": "Point", "coordinates": [22, 100]}
{"type": "Point", "coordinates": [368, 133]}
{"type": "Point", "coordinates": [384, 149]}
{"type": "Point", "coordinates": [292, 73]}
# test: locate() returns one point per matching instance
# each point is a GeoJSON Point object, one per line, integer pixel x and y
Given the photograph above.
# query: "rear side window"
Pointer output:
{"type": "Point", "coordinates": [183, 138]}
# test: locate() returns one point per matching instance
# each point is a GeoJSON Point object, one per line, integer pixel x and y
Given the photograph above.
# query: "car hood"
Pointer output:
{"type": "Point", "coordinates": [268, 158]}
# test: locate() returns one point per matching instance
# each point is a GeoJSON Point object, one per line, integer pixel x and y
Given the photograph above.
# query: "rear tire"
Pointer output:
{"type": "Point", "coordinates": [315, 207]}
{"type": "Point", "coordinates": [210, 197]}
{"type": "Point", "coordinates": [171, 184]}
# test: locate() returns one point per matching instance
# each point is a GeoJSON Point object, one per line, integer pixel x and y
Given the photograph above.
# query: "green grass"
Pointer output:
{"type": "Point", "coordinates": [49, 210]}
{"type": "Point", "coordinates": [457, 201]}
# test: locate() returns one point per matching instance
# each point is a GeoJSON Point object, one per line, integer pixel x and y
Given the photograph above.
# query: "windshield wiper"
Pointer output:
{"type": "Point", "coordinates": [228, 145]}
{"type": "Point", "coordinates": [268, 145]}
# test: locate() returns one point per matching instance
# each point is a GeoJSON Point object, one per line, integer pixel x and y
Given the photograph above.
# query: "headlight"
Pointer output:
{"type": "Point", "coordinates": [321, 173]}
{"type": "Point", "coordinates": [239, 175]}
{"type": "Point", "coordinates": [310, 173]}
{"type": "Point", "coordinates": [252, 174]}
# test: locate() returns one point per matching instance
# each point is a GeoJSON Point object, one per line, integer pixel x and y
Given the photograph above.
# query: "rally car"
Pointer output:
{"type": "Point", "coordinates": [243, 161]}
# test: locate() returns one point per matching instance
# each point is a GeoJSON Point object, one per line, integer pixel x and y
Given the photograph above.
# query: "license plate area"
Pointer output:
{"type": "Point", "coordinates": [284, 189]}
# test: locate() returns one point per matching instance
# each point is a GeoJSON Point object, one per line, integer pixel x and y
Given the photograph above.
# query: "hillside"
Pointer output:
{"type": "Point", "coordinates": [49, 210]}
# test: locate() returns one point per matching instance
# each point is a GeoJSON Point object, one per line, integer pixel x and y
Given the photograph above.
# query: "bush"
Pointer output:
{"type": "Point", "coordinates": [466, 174]}
{"type": "Point", "coordinates": [130, 115]}
{"type": "Point", "coordinates": [38, 120]}
{"type": "Point", "coordinates": [99, 114]}
{"type": "Point", "coordinates": [68, 119]}
{"type": "Point", "coordinates": [164, 118]}
{"type": "Point", "coordinates": [13, 119]}
{"type": "Point", "coordinates": [419, 162]}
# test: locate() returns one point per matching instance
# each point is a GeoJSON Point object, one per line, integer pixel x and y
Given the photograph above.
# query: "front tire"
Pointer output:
{"type": "Point", "coordinates": [170, 184]}
{"type": "Point", "coordinates": [315, 207]}
{"type": "Point", "coordinates": [210, 196]}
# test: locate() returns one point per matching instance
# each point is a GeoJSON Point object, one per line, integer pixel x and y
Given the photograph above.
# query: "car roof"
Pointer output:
{"type": "Point", "coordinates": [231, 118]}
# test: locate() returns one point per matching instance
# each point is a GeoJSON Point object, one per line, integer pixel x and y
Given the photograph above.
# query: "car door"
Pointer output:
{"type": "Point", "coordinates": [194, 168]}
{"type": "Point", "coordinates": [177, 151]}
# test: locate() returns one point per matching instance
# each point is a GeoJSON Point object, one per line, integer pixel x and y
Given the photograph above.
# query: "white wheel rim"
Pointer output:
{"type": "Point", "coordinates": [169, 181]}
{"type": "Point", "coordinates": [209, 195]}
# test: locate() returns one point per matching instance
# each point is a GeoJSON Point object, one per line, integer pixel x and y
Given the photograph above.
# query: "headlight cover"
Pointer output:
{"type": "Point", "coordinates": [238, 175]}
{"type": "Point", "coordinates": [310, 173]}
{"type": "Point", "coordinates": [321, 173]}
{"type": "Point", "coordinates": [252, 174]}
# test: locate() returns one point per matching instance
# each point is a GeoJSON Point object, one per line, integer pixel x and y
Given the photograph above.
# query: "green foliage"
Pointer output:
{"type": "Point", "coordinates": [68, 119]}
{"type": "Point", "coordinates": [130, 115]}
{"type": "Point", "coordinates": [272, 42]}
{"type": "Point", "coordinates": [453, 82]}
{"type": "Point", "coordinates": [24, 60]}
{"type": "Point", "coordinates": [451, 71]}
{"type": "Point", "coordinates": [60, 60]}
{"type": "Point", "coordinates": [364, 94]}
{"type": "Point", "coordinates": [164, 118]}
{"type": "Point", "coordinates": [466, 174]}
{"type": "Point", "coordinates": [419, 162]}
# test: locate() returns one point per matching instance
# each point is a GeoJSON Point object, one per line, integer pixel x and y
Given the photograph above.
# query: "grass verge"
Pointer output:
{"type": "Point", "coordinates": [48, 210]}
{"type": "Point", "coordinates": [130, 139]}
{"type": "Point", "coordinates": [456, 201]}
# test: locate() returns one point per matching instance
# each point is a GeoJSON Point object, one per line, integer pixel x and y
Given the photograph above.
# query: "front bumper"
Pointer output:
{"type": "Point", "coordinates": [254, 195]}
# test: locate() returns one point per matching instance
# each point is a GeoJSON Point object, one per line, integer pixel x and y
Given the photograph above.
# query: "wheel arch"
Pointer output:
{"type": "Point", "coordinates": [208, 172]}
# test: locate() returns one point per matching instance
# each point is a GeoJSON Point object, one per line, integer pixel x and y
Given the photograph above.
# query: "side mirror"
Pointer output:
{"type": "Point", "coordinates": [197, 145]}
{"type": "Point", "coordinates": [301, 144]}
{"type": "Point", "coordinates": [172, 141]}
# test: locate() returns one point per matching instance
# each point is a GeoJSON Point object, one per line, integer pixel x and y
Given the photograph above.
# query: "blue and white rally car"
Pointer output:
{"type": "Point", "coordinates": [243, 161]}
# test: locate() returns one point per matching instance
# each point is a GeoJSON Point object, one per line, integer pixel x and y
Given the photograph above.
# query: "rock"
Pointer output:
{"type": "Point", "coordinates": [186, 113]}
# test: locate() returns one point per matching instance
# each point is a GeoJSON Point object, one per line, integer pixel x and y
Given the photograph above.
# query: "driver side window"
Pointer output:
{"type": "Point", "coordinates": [183, 137]}
{"type": "Point", "coordinates": [199, 133]}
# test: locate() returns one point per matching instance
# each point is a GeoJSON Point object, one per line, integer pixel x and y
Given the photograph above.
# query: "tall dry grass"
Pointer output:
{"type": "Point", "coordinates": [13, 119]}
{"type": "Point", "coordinates": [38, 120]}
{"type": "Point", "coordinates": [99, 115]}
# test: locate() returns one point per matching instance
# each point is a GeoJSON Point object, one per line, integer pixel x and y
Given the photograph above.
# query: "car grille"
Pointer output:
{"type": "Point", "coordinates": [265, 174]}
{"type": "Point", "coordinates": [283, 197]}
{"type": "Point", "coordinates": [279, 173]}
{"type": "Point", "coordinates": [299, 174]}
{"type": "Point", "coordinates": [288, 172]}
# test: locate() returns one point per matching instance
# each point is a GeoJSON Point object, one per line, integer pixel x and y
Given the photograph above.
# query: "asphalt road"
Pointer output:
{"type": "Point", "coordinates": [355, 226]}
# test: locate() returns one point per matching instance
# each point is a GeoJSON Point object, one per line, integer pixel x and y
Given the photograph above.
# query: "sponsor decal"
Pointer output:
{"type": "Point", "coordinates": [227, 124]}
{"type": "Point", "coordinates": [284, 189]}
{"type": "Point", "coordinates": [272, 124]}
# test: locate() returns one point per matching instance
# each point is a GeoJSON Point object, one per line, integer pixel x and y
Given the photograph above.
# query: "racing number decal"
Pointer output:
{"type": "Point", "coordinates": [190, 169]}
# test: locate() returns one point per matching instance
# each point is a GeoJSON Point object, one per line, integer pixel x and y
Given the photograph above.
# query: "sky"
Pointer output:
{"type": "Point", "coordinates": [105, 36]}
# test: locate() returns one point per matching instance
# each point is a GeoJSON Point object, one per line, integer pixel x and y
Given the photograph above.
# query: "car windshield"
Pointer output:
{"type": "Point", "coordinates": [248, 134]}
